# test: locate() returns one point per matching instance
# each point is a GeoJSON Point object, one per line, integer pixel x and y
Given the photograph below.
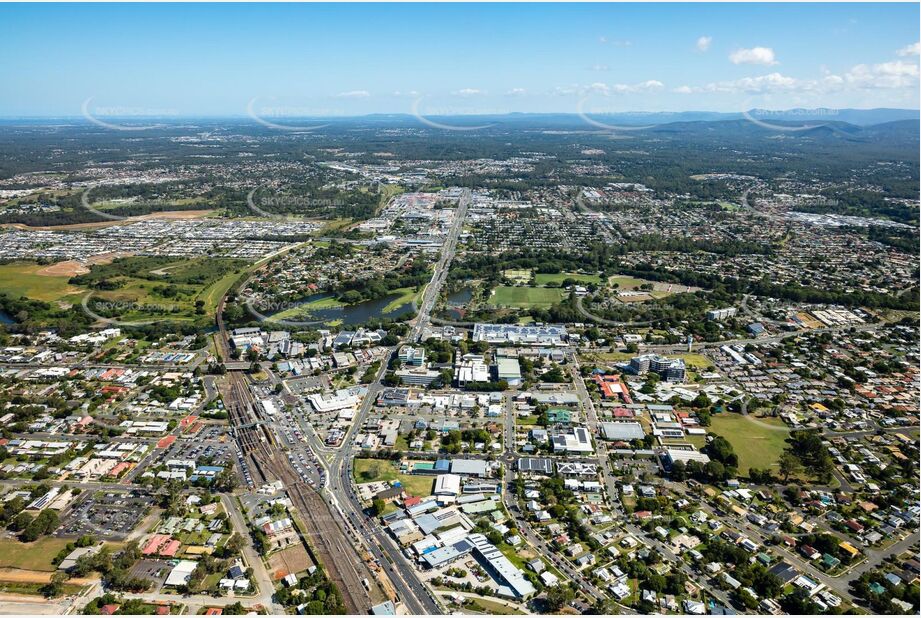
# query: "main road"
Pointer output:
{"type": "Point", "coordinates": [418, 599]}
{"type": "Point", "coordinates": [448, 249]}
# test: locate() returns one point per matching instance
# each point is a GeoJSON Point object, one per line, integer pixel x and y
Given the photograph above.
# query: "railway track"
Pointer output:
{"type": "Point", "coordinates": [342, 563]}
{"type": "Point", "coordinates": [328, 541]}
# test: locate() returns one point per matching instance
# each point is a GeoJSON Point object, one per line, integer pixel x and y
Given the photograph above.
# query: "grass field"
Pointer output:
{"type": "Point", "coordinates": [22, 279]}
{"type": "Point", "coordinates": [35, 556]}
{"type": "Point", "coordinates": [35, 588]}
{"type": "Point", "coordinates": [371, 470]}
{"type": "Point", "coordinates": [153, 287]}
{"type": "Point", "coordinates": [558, 278]}
{"type": "Point", "coordinates": [757, 445]}
{"type": "Point", "coordinates": [525, 297]}
{"type": "Point", "coordinates": [407, 295]}
{"type": "Point", "coordinates": [626, 283]}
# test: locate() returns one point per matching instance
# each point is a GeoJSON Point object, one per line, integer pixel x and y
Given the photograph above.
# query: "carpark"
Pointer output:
{"type": "Point", "coordinates": [152, 570]}
{"type": "Point", "coordinates": [107, 514]}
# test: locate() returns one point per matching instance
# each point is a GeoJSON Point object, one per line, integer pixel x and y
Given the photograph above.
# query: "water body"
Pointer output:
{"type": "Point", "coordinates": [6, 318]}
{"type": "Point", "coordinates": [456, 303]}
{"type": "Point", "coordinates": [354, 314]}
{"type": "Point", "coordinates": [460, 297]}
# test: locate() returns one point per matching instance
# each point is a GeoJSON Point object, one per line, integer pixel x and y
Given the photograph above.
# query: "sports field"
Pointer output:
{"type": "Point", "coordinates": [558, 278]}
{"type": "Point", "coordinates": [757, 441]}
{"type": "Point", "coordinates": [525, 297]}
{"type": "Point", "coordinates": [518, 276]}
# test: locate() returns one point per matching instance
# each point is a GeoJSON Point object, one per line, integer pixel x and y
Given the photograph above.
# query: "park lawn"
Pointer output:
{"type": "Point", "coordinates": [406, 295]}
{"type": "Point", "coordinates": [299, 310]}
{"type": "Point", "coordinates": [34, 556]}
{"type": "Point", "coordinates": [558, 278]}
{"type": "Point", "coordinates": [371, 470]}
{"type": "Point", "coordinates": [417, 485]}
{"type": "Point", "coordinates": [22, 279]}
{"type": "Point", "coordinates": [756, 445]}
{"type": "Point", "coordinates": [525, 297]}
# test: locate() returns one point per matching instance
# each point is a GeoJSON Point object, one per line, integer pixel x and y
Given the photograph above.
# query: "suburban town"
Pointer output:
{"type": "Point", "coordinates": [391, 365]}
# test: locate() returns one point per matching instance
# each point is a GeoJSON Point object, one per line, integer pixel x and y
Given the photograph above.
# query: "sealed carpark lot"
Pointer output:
{"type": "Point", "coordinates": [107, 514]}
{"type": "Point", "coordinates": [152, 570]}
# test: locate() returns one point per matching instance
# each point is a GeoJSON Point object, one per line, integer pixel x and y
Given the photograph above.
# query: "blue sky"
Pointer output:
{"type": "Point", "coordinates": [295, 60]}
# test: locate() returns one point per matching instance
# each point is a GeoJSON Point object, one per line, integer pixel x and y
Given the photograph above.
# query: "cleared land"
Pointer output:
{"type": "Point", "coordinates": [757, 441]}
{"type": "Point", "coordinates": [35, 556]}
{"type": "Point", "coordinates": [33, 281]}
{"type": "Point", "coordinates": [525, 297]}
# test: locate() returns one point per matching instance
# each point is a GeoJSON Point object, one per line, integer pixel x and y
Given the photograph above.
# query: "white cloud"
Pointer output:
{"type": "Point", "coordinates": [615, 42]}
{"type": "Point", "coordinates": [516, 92]}
{"type": "Point", "coordinates": [895, 74]}
{"type": "Point", "coordinates": [607, 90]}
{"type": "Point", "coordinates": [703, 43]}
{"type": "Point", "coordinates": [354, 94]}
{"type": "Point", "coordinates": [755, 55]}
{"type": "Point", "coordinates": [600, 67]}
{"type": "Point", "coordinates": [468, 92]}
{"type": "Point", "coordinates": [409, 93]}
{"type": "Point", "coordinates": [910, 50]}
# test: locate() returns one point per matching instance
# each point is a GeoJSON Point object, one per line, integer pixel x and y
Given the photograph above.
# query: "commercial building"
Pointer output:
{"type": "Point", "coordinates": [509, 370]}
{"type": "Point", "coordinates": [412, 356]}
{"type": "Point", "coordinates": [624, 431]}
{"type": "Point", "coordinates": [546, 335]}
{"type": "Point", "coordinates": [575, 440]}
{"type": "Point", "coordinates": [470, 368]}
{"type": "Point", "coordinates": [671, 370]}
{"type": "Point", "coordinates": [536, 465]}
{"type": "Point", "coordinates": [470, 467]}
{"type": "Point", "coordinates": [417, 376]}
{"type": "Point", "coordinates": [721, 314]}
{"type": "Point", "coordinates": [447, 485]}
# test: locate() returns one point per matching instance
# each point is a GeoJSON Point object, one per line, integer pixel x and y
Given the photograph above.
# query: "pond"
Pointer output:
{"type": "Point", "coordinates": [457, 301]}
{"type": "Point", "coordinates": [352, 314]}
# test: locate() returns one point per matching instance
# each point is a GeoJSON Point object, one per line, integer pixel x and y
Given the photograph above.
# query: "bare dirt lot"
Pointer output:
{"type": "Point", "coordinates": [36, 577]}
{"type": "Point", "coordinates": [292, 559]}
